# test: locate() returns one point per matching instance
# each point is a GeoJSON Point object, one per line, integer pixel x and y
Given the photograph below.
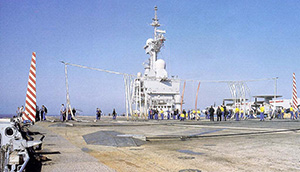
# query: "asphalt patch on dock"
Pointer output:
{"type": "Point", "coordinates": [190, 152]}
{"type": "Point", "coordinates": [86, 150]}
{"type": "Point", "coordinates": [189, 170]}
{"type": "Point", "coordinates": [111, 138]}
{"type": "Point", "coordinates": [49, 144]}
{"type": "Point", "coordinates": [186, 157]}
{"type": "Point", "coordinates": [134, 149]}
{"type": "Point", "coordinates": [60, 124]}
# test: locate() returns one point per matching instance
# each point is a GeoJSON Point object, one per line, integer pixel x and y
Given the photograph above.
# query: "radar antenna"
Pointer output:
{"type": "Point", "coordinates": [153, 46]}
{"type": "Point", "coordinates": [155, 22]}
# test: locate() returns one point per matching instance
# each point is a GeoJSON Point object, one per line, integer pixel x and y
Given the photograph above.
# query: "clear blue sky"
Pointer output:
{"type": "Point", "coordinates": [206, 40]}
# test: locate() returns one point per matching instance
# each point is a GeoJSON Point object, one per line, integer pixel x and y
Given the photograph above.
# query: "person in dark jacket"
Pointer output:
{"type": "Point", "coordinates": [185, 114]}
{"type": "Point", "coordinates": [114, 114]}
{"type": "Point", "coordinates": [37, 115]}
{"type": "Point", "coordinates": [211, 113]}
{"type": "Point", "coordinates": [219, 114]}
{"type": "Point", "coordinates": [225, 113]}
{"type": "Point", "coordinates": [74, 112]}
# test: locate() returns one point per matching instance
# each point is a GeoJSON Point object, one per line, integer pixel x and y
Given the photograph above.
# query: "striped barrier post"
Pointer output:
{"type": "Point", "coordinates": [30, 104]}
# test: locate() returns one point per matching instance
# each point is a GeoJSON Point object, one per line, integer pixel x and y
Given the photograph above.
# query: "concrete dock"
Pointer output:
{"type": "Point", "coordinates": [170, 145]}
{"type": "Point", "coordinates": [66, 156]}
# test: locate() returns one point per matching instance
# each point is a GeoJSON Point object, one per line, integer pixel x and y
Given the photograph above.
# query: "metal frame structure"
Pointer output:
{"type": "Point", "coordinates": [239, 89]}
{"type": "Point", "coordinates": [128, 82]}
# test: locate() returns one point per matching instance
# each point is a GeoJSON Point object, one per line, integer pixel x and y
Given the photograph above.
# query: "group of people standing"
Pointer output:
{"type": "Point", "coordinates": [279, 113]}
{"type": "Point", "coordinates": [20, 111]}
{"type": "Point", "coordinates": [66, 114]}
{"type": "Point", "coordinates": [262, 112]}
{"type": "Point", "coordinates": [294, 112]}
{"type": "Point", "coordinates": [162, 115]}
{"type": "Point", "coordinates": [99, 114]}
{"type": "Point", "coordinates": [221, 113]}
{"type": "Point", "coordinates": [40, 112]}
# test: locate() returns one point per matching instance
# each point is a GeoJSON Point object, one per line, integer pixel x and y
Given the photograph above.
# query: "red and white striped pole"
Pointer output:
{"type": "Point", "coordinates": [294, 99]}
{"type": "Point", "coordinates": [30, 104]}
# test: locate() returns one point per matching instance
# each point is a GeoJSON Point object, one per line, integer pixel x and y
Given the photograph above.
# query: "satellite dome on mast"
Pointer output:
{"type": "Point", "coordinates": [160, 67]}
{"type": "Point", "coordinates": [160, 64]}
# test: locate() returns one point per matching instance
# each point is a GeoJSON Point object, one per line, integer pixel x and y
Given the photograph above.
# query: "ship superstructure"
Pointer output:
{"type": "Point", "coordinates": [154, 89]}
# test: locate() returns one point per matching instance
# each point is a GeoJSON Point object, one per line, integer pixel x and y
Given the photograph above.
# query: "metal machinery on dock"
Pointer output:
{"type": "Point", "coordinates": [17, 145]}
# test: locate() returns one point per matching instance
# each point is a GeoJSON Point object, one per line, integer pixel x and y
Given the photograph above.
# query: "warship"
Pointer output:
{"type": "Point", "coordinates": [154, 89]}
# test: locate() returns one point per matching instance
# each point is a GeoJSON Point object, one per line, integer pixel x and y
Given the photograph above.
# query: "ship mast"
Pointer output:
{"type": "Point", "coordinates": [153, 47]}
{"type": "Point", "coordinates": [155, 22]}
